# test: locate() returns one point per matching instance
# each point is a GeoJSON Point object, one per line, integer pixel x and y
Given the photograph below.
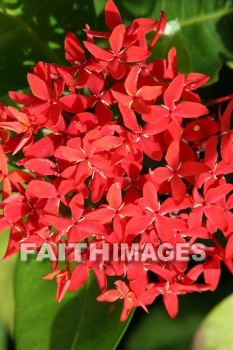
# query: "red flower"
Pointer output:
{"type": "Point", "coordinates": [12, 179]}
{"type": "Point", "coordinates": [176, 169]}
{"type": "Point", "coordinates": [137, 97]}
{"type": "Point", "coordinates": [173, 111]}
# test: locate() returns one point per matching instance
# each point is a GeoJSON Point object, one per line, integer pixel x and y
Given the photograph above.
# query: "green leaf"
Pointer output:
{"type": "Point", "coordinates": [215, 332]}
{"type": "Point", "coordinates": [99, 6]}
{"type": "Point", "coordinates": [7, 269]}
{"type": "Point", "coordinates": [32, 31]}
{"type": "Point", "coordinates": [78, 322]}
{"type": "Point", "coordinates": [173, 38]}
{"type": "Point", "coordinates": [2, 336]}
{"type": "Point", "coordinates": [206, 26]}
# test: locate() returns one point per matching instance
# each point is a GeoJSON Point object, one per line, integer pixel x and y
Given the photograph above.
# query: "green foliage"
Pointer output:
{"type": "Point", "coordinates": [7, 269]}
{"type": "Point", "coordinates": [173, 38]}
{"type": "Point", "coordinates": [2, 336]}
{"type": "Point", "coordinates": [78, 322]}
{"type": "Point", "coordinates": [206, 28]}
{"type": "Point", "coordinates": [33, 31]}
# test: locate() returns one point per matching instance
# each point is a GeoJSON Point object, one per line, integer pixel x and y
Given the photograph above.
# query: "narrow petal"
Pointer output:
{"type": "Point", "coordinates": [70, 154]}
{"type": "Point", "coordinates": [110, 295]}
{"type": "Point", "coordinates": [162, 272]}
{"type": "Point", "coordinates": [226, 148]}
{"type": "Point", "coordinates": [214, 194]}
{"type": "Point", "coordinates": [156, 113]}
{"type": "Point", "coordinates": [138, 224]}
{"type": "Point", "coordinates": [148, 93]}
{"type": "Point", "coordinates": [4, 224]}
{"type": "Point", "coordinates": [75, 103]}
{"type": "Point", "coordinates": [178, 189]}
{"type": "Point", "coordinates": [76, 206]}
{"type": "Point", "coordinates": [161, 174]}
{"type": "Point", "coordinates": [116, 38]}
{"type": "Point", "coordinates": [172, 156]}
{"type": "Point", "coordinates": [171, 303]}
{"type": "Point", "coordinates": [97, 186]}
{"type": "Point", "coordinates": [114, 196]}
{"type": "Point", "coordinates": [15, 211]}
{"type": "Point", "coordinates": [135, 54]}
{"type": "Point", "coordinates": [43, 148]}
{"type": "Point", "coordinates": [151, 147]}
{"type": "Point", "coordinates": [23, 99]}
{"type": "Point", "coordinates": [122, 98]}
{"type": "Point", "coordinates": [160, 28]}
{"type": "Point", "coordinates": [3, 162]}
{"type": "Point", "coordinates": [117, 68]}
{"type": "Point", "coordinates": [100, 275]}
{"type": "Point", "coordinates": [39, 87]}
{"type": "Point", "coordinates": [112, 15]}
{"type": "Point", "coordinates": [191, 168]}
{"type": "Point", "coordinates": [106, 143]}
{"type": "Point", "coordinates": [97, 52]}
{"type": "Point", "coordinates": [40, 166]}
{"type": "Point", "coordinates": [212, 273]}
{"type": "Point", "coordinates": [91, 227]}
{"type": "Point", "coordinates": [174, 91]}
{"type": "Point", "coordinates": [79, 277]}
{"type": "Point", "coordinates": [156, 127]}
{"type": "Point", "coordinates": [62, 287]}
{"type": "Point", "coordinates": [211, 154]}
{"type": "Point", "coordinates": [217, 217]}
{"type": "Point", "coordinates": [190, 110]}
{"type": "Point", "coordinates": [59, 223]}
{"type": "Point", "coordinates": [103, 215]}
{"type": "Point", "coordinates": [131, 81]}
{"type": "Point", "coordinates": [73, 49]}
{"type": "Point", "coordinates": [150, 198]}
{"type": "Point", "coordinates": [129, 117]}
{"type": "Point", "coordinates": [200, 129]}
{"type": "Point", "coordinates": [229, 248]}
{"type": "Point", "coordinates": [41, 189]}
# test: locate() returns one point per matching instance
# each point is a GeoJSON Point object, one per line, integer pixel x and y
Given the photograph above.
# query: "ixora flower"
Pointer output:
{"type": "Point", "coordinates": [117, 148]}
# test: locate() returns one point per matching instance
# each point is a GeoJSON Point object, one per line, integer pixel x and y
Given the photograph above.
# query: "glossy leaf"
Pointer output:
{"type": "Point", "coordinates": [3, 339]}
{"type": "Point", "coordinates": [206, 30]}
{"type": "Point", "coordinates": [173, 38]}
{"type": "Point", "coordinates": [7, 268]}
{"type": "Point", "coordinates": [78, 322]}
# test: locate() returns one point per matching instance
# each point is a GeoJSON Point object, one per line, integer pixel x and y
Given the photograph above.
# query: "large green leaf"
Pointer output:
{"type": "Point", "coordinates": [78, 322]}
{"type": "Point", "coordinates": [7, 268]}
{"type": "Point", "coordinates": [2, 336]}
{"type": "Point", "coordinates": [215, 332]}
{"type": "Point", "coordinates": [206, 25]}
{"type": "Point", "coordinates": [173, 38]}
{"type": "Point", "coordinates": [31, 31]}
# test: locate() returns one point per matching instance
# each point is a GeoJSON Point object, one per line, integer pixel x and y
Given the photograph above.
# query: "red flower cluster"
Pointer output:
{"type": "Point", "coordinates": [118, 148]}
